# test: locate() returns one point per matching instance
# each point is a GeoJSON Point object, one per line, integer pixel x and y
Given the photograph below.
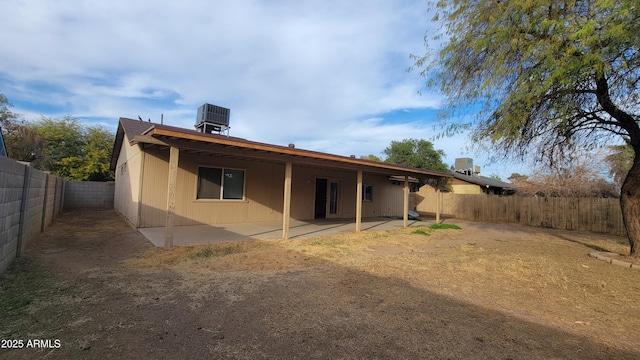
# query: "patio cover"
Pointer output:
{"type": "Point", "coordinates": [179, 140]}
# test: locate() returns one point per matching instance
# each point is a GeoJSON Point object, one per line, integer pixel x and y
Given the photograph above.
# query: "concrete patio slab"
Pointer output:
{"type": "Point", "coordinates": [205, 234]}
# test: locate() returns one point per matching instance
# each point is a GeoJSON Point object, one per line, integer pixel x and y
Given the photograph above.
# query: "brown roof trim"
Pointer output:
{"type": "Point", "coordinates": [170, 131]}
{"type": "Point", "coordinates": [159, 131]}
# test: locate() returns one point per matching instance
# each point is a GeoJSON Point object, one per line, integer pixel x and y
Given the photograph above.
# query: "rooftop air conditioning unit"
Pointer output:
{"type": "Point", "coordinates": [463, 164]}
{"type": "Point", "coordinates": [213, 114]}
{"type": "Point", "coordinates": [212, 118]}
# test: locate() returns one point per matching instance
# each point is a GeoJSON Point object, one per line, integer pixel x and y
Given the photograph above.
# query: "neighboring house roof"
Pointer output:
{"type": "Point", "coordinates": [192, 141]}
{"type": "Point", "coordinates": [3, 148]}
{"type": "Point", "coordinates": [483, 181]}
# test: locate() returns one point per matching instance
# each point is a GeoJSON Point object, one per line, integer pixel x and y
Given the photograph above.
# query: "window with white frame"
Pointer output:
{"type": "Point", "coordinates": [220, 184]}
{"type": "Point", "coordinates": [367, 192]}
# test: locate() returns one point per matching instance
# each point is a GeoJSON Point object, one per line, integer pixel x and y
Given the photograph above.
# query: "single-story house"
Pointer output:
{"type": "Point", "coordinates": [474, 185]}
{"type": "Point", "coordinates": [168, 176]}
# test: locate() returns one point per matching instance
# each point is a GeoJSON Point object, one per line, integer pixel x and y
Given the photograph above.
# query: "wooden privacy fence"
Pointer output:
{"type": "Point", "coordinates": [589, 214]}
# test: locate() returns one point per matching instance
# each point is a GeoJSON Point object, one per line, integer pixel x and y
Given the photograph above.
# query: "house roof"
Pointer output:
{"type": "Point", "coordinates": [483, 181]}
{"type": "Point", "coordinates": [164, 136]}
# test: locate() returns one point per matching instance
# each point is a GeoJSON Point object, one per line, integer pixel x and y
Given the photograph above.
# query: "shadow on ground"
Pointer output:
{"type": "Point", "coordinates": [81, 293]}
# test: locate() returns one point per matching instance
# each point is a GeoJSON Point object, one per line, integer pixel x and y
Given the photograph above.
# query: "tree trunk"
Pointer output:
{"type": "Point", "coordinates": [630, 205]}
{"type": "Point", "coordinates": [630, 191]}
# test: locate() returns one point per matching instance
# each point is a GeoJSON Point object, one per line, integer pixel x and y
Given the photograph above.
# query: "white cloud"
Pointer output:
{"type": "Point", "coordinates": [322, 74]}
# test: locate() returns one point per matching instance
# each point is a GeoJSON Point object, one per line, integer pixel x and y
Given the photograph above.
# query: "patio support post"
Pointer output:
{"type": "Point", "coordinates": [405, 216]}
{"type": "Point", "coordinates": [437, 206]}
{"type": "Point", "coordinates": [171, 196]}
{"type": "Point", "coordinates": [359, 202]}
{"type": "Point", "coordinates": [286, 206]}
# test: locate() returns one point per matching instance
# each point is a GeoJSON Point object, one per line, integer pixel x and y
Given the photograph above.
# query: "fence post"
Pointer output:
{"type": "Point", "coordinates": [26, 183]}
{"type": "Point", "coordinates": [44, 203]}
{"type": "Point", "coordinates": [437, 206]}
{"type": "Point", "coordinates": [55, 198]}
{"type": "Point", "coordinates": [62, 196]}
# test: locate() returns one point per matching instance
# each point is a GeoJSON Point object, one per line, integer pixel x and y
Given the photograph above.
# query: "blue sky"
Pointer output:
{"type": "Point", "coordinates": [328, 76]}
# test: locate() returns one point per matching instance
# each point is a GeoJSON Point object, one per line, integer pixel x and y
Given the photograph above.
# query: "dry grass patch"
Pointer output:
{"type": "Point", "coordinates": [485, 291]}
{"type": "Point", "coordinates": [251, 255]}
{"type": "Point", "coordinates": [540, 276]}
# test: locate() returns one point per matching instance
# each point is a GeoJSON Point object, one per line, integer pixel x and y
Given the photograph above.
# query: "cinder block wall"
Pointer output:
{"type": "Point", "coordinates": [34, 217]}
{"type": "Point", "coordinates": [11, 180]}
{"type": "Point", "coordinates": [79, 194]}
{"type": "Point", "coordinates": [30, 200]}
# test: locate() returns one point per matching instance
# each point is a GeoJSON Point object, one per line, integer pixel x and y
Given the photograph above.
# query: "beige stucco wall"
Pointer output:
{"type": "Point", "coordinates": [457, 187]}
{"type": "Point", "coordinates": [127, 186]}
{"type": "Point", "coordinates": [264, 183]}
{"type": "Point", "coordinates": [387, 198]}
{"type": "Point", "coordinates": [469, 189]}
{"type": "Point", "coordinates": [303, 184]}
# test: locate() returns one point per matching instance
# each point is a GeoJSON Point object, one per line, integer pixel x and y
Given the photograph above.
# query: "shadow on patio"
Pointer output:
{"type": "Point", "coordinates": [204, 234]}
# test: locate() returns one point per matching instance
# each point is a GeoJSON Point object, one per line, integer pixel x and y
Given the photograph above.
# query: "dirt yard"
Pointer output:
{"type": "Point", "coordinates": [93, 288]}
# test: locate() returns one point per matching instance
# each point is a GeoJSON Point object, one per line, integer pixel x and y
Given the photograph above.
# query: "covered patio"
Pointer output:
{"type": "Point", "coordinates": [205, 234]}
{"type": "Point", "coordinates": [181, 186]}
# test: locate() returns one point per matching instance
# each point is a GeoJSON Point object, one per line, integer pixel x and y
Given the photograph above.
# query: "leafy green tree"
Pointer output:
{"type": "Point", "coordinates": [93, 163]}
{"type": "Point", "coordinates": [62, 146]}
{"type": "Point", "coordinates": [417, 153]}
{"type": "Point", "coordinates": [24, 143]}
{"type": "Point", "coordinates": [6, 115]}
{"type": "Point", "coordinates": [21, 141]}
{"type": "Point", "coordinates": [63, 138]}
{"type": "Point", "coordinates": [370, 157]}
{"type": "Point", "coordinates": [76, 152]}
{"type": "Point", "coordinates": [544, 79]}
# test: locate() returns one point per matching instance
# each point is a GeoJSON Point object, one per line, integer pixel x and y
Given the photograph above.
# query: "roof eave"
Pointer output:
{"type": "Point", "coordinates": [157, 132]}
